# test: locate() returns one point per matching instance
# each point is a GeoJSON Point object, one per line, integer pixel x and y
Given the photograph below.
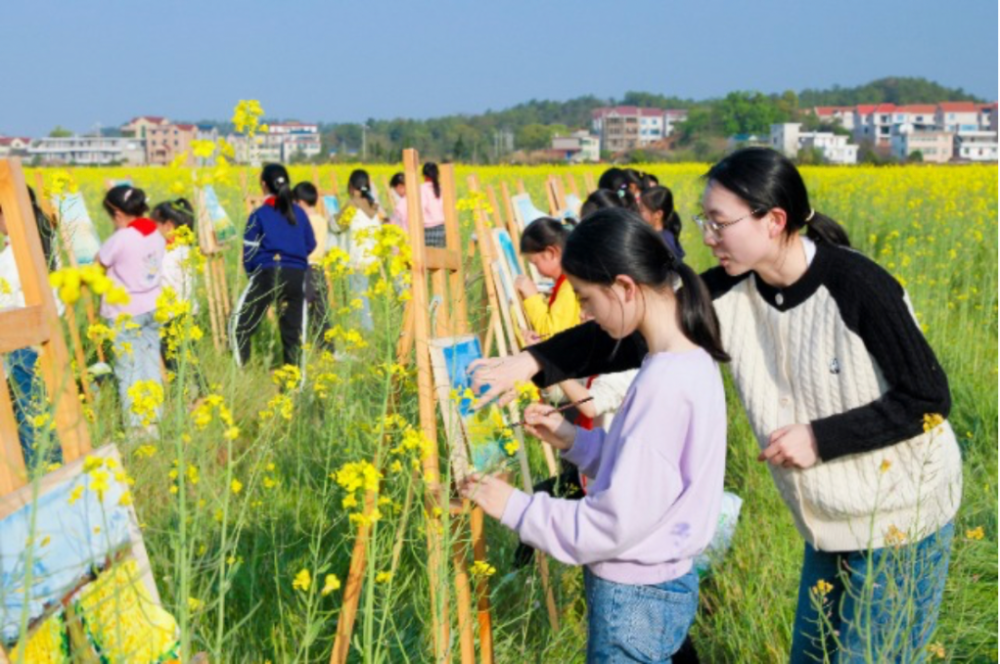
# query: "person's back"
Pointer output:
{"type": "Point", "coordinates": [271, 241]}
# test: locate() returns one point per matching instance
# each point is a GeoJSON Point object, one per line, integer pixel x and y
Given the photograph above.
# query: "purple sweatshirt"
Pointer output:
{"type": "Point", "coordinates": [655, 499]}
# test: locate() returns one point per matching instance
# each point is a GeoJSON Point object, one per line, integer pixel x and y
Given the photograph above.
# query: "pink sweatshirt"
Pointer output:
{"type": "Point", "coordinates": [433, 206]}
{"type": "Point", "coordinates": [655, 500]}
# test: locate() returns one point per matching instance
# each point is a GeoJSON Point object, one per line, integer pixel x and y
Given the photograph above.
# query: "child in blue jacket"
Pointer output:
{"type": "Point", "coordinates": [276, 245]}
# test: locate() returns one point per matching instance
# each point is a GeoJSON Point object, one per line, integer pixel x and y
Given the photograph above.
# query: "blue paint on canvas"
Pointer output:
{"type": "Point", "coordinates": [77, 227]}
{"type": "Point", "coordinates": [507, 245]}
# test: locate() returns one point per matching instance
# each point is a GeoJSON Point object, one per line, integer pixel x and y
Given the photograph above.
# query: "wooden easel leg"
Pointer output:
{"type": "Point", "coordinates": [482, 588]}
{"type": "Point", "coordinates": [222, 299]}
{"type": "Point", "coordinates": [352, 588]}
{"type": "Point", "coordinates": [81, 359]}
{"type": "Point", "coordinates": [212, 308]}
{"type": "Point", "coordinates": [463, 591]}
{"type": "Point", "coordinates": [405, 345]}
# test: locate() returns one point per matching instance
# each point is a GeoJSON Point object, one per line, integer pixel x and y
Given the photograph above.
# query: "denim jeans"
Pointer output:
{"type": "Point", "coordinates": [358, 284]}
{"type": "Point", "coordinates": [137, 357]}
{"type": "Point", "coordinates": [633, 623]}
{"type": "Point", "coordinates": [882, 604]}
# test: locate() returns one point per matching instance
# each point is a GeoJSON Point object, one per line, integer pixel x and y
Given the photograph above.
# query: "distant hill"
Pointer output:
{"type": "Point", "coordinates": [894, 90]}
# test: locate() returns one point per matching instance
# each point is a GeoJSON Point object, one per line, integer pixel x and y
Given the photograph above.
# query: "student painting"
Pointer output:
{"type": "Point", "coordinates": [658, 471]}
{"type": "Point", "coordinates": [432, 206]}
{"type": "Point", "coordinates": [307, 197]}
{"type": "Point", "coordinates": [844, 395]}
{"type": "Point", "coordinates": [397, 189]}
{"type": "Point", "coordinates": [364, 217]}
{"type": "Point", "coordinates": [276, 247]}
{"type": "Point", "coordinates": [656, 206]}
{"type": "Point", "coordinates": [133, 257]}
{"type": "Point", "coordinates": [542, 245]}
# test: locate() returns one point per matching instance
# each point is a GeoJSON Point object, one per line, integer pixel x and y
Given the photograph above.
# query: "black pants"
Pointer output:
{"type": "Point", "coordinates": [284, 287]}
{"type": "Point", "coordinates": [316, 299]}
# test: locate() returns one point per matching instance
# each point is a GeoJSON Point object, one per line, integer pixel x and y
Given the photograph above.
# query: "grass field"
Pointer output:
{"type": "Point", "coordinates": [229, 541]}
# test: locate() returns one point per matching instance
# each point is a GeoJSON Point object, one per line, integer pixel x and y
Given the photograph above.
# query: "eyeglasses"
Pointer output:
{"type": "Point", "coordinates": [716, 227]}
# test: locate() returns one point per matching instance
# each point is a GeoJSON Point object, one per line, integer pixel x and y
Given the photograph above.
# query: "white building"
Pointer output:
{"type": "Point", "coordinates": [957, 116]}
{"type": "Point", "coordinates": [842, 115]}
{"type": "Point", "coordinates": [626, 127]}
{"type": "Point", "coordinates": [578, 147]}
{"type": "Point", "coordinates": [933, 146]}
{"type": "Point", "coordinates": [976, 145]}
{"type": "Point", "coordinates": [12, 146]}
{"type": "Point", "coordinates": [285, 140]}
{"type": "Point", "coordinates": [789, 138]}
{"type": "Point", "coordinates": [89, 150]}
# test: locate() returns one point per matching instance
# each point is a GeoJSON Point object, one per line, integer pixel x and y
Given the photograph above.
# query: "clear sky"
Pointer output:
{"type": "Point", "coordinates": [77, 63]}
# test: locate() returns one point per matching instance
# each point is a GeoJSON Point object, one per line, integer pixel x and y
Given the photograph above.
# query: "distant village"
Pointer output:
{"type": "Point", "coordinates": [958, 132]}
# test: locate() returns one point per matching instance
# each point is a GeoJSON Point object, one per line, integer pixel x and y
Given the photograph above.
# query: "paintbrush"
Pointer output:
{"type": "Point", "coordinates": [557, 410]}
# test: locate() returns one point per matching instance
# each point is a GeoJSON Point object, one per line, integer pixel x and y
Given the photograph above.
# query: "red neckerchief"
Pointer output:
{"type": "Point", "coordinates": [145, 226]}
{"type": "Point", "coordinates": [555, 289]}
{"type": "Point", "coordinates": [270, 200]}
{"type": "Point", "coordinates": [582, 420]}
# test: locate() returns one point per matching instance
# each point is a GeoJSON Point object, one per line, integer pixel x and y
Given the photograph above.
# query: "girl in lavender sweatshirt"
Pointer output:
{"type": "Point", "coordinates": [658, 471]}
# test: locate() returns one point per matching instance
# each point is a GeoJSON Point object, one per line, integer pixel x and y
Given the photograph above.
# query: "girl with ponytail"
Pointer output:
{"type": "Point", "coordinates": [845, 398]}
{"type": "Point", "coordinates": [360, 218]}
{"type": "Point", "coordinates": [433, 206]}
{"type": "Point", "coordinates": [658, 472]}
{"type": "Point", "coordinates": [276, 246]}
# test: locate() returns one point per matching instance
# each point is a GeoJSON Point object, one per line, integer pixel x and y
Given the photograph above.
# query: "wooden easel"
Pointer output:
{"type": "Point", "coordinates": [588, 183]}
{"type": "Point", "coordinates": [447, 282]}
{"type": "Point", "coordinates": [35, 324]}
{"type": "Point", "coordinates": [216, 286]}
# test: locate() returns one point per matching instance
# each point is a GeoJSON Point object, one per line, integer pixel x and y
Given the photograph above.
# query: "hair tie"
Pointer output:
{"type": "Point", "coordinates": [812, 213]}
{"type": "Point", "coordinates": [128, 192]}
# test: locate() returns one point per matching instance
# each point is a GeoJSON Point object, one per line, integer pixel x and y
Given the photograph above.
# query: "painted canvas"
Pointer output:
{"type": "Point", "coordinates": [506, 246]}
{"type": "Point", "coordinates": [573, 205]}
{"type": "Point", "coordinates": [220, 222]}
{"type": "Point", "coordinates": [482, 435]}
{"type": "Point", "coordinates": [77, 228]}
{"type": "Point", "coordinates": [525, 211]}
{"type": "Point", "coordinates": [79, 531]}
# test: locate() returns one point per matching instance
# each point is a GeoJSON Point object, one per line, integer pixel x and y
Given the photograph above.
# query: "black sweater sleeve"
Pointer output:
{"type": "Point", "coordinates": [873, 304]}
{"type": "Point", "coordinates": [585, 350]}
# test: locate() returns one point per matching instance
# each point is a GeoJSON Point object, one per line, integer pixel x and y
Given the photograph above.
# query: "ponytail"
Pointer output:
{"type": "Point", "coordinates": [362, 183]}
{"type": "Point", "coordinates": [432, 173]}
{"type": "Point", "coordinates": [821, 228]}
{"type": "Point", "coordinates": [697, 314]}
{"type": "Point", "coordinates": [278, 184]}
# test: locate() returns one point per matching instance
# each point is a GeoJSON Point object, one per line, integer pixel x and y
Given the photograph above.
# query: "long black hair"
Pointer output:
{"type": "Point", "coordinates": [600, 199]}
{"type": "Point", "coordinates": [662, 199]}
{"type": "Point", "coordinates": [619, 180]}
{"type": "Point", "coordinates": [432, 173]}
{"type": "Point", "coordinates": [543, 233]}
{"type": "Point", "coordinates": [45, 229]}
{"type": "Point", "coordinates": [362, 183]}
{"type": "Point", "coordinates": [127, 199]}
{"type": "Point", "coordinates": [765, 179]}
{"type": "Point", "coordinates": [278, 184]}
{"type": "Point", "coordinates": [614, 241]}
{"type": "Point", "coordinates": [179, 212]}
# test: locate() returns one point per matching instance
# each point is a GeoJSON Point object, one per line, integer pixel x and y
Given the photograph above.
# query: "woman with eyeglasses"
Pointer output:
{"type": "Point", "coordinates": [843, 393]}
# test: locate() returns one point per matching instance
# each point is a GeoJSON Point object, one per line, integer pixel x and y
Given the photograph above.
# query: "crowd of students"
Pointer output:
{"type": "Point", "coordinates": [828, 361]}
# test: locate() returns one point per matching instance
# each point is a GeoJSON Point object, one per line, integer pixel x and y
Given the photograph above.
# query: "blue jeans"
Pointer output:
{"type": "Point", "coordinates": [633, 623]}
{"type": "Point", "coordinates": [358, 283]}
{"type": "Point", "coordinates": [881, 604]}
{"type": "Point", "coordinates": [137, 357]}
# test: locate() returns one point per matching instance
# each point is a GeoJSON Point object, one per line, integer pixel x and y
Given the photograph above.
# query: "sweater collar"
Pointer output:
{"type": "Point", "coordinates": [792, 296]}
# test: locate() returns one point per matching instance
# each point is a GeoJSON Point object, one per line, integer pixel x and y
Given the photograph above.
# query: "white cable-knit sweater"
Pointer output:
{"type": "Point", "coordinates": [840, 350]}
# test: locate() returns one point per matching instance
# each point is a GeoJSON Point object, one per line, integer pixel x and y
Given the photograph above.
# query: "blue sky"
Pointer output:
{"type": "Point", "coordinates": [78, 63]}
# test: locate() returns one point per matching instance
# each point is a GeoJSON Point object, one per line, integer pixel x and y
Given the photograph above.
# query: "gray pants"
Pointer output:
{"type": "Point", "coordinates": [137, 357]}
